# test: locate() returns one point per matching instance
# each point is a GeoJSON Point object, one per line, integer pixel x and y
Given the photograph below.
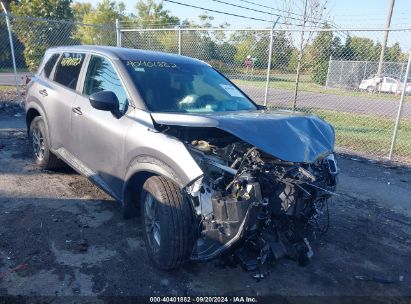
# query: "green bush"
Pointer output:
{"type": "Point", "coordinates": [319, 72]}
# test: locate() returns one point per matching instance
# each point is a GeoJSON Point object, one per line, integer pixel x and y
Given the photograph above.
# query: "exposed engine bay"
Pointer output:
{"type": "Point", "coordinates": [253, 204]}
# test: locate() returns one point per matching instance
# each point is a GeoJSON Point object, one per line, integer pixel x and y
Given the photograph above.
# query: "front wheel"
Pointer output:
{"type": "Point", "coordinates": [40, 142]}
{"type": "Point", "coordinates": [167, 223]}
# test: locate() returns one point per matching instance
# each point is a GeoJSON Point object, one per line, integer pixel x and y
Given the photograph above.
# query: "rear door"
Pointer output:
{"type": "Point", "coordinates": [58, 95]}
{"type": "Point", "coordinates": [99, 134]}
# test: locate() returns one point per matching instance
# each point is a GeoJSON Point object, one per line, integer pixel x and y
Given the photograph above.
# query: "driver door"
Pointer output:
{"type": "Point", "coordinates": [100, 134]}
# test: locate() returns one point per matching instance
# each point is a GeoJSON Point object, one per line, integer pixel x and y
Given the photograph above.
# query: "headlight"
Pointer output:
{"type": "Point", "coordinates": [332, 164]}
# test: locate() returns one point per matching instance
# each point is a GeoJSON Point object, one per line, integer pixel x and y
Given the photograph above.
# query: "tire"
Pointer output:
{"type": "Point", "coordinates": [370, 89]}
{"type": "Point", "coordinates": [167, 223]}
{"type": "Point", "coordinates": [40, 142]}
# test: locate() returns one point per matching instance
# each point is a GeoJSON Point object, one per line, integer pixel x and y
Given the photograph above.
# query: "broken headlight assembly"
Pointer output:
{"type": "Point", "coordinates": [256, 206]}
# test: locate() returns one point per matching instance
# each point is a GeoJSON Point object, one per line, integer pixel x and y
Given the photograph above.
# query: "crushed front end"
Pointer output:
{"type": "Point", "coordinates": [254, 205]}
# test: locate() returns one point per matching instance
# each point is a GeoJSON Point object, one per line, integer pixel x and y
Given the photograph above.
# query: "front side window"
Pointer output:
{"type": "Point", "coordinates": [101, 76]}
{"type": "Point", "coordinates": [187, 88]}
{"type": "Point", "coordinates": [68, 69]}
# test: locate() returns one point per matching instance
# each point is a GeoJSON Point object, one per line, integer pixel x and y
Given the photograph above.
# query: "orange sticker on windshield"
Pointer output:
{"type": "Point", "coordinates": [150, 64]}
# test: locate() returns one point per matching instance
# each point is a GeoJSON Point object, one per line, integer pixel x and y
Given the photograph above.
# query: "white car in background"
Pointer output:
{"type": "Point", "coordinates": [407, 85]}
{"type": "Point", "coordinates": [381, 84]}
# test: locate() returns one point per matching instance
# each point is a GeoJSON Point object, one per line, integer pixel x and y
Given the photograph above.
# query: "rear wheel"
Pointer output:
{"type": "Point", "coordinates": [40, 142]}
{"type": "Point", "coordinates": [166, 223]}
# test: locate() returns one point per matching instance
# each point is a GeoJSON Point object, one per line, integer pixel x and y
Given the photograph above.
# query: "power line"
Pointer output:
{"type": "Point", "coordinates": [244, 7]}
{"type": "Point", "coordinates": [154, 22]}
{"type": "Point", "coordinates": [229, 14]}
{"type": "Point", "coordinates": [271, 8]}
{"type": "Point", "coordinates": [300, 18]}
{"type": "Point", "coordinates": [254, 10]}
{"type": "Point", "coordinates": [215, 11]}
{"type": "Point", "coordinates": [240, 16]}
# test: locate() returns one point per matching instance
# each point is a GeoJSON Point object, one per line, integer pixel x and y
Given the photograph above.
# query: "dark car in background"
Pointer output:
{"type": "Point", "coordinates": [209, 171]}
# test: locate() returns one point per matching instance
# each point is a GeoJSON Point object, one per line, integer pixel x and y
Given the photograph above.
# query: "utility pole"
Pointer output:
{"type": "Point", "coordinates": [387, 30]}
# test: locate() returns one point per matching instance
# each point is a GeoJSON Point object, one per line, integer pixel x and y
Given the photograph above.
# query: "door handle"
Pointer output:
{"type": "Point", "coordinates": [77, 110]}
{"type": "Point", "coordinates": [43, 92]}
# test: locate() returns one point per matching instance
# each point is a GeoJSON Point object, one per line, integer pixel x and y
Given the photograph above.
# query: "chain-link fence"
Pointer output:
{"type": "Point", "coordinates": [32, 36]}
{"type": "Point", "coordinates": [336, 89]}
{"type": "Point", "coordinates": [349, 74]}
{"type": "Point", "coordinates": [324, 71]}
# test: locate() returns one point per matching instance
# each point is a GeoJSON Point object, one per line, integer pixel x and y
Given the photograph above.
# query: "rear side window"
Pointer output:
{"type": "Point", "coordinates": [49, 65]}
{"type": "Point", "coordinates": [68, 69]}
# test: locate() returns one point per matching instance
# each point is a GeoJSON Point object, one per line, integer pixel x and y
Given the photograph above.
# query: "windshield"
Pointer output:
{"type": "Point", "coordinates": [188, 88]}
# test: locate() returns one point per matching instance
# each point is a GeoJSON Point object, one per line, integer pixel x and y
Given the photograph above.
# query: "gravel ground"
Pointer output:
{"type": "Point", "coordinates": [61, 236]}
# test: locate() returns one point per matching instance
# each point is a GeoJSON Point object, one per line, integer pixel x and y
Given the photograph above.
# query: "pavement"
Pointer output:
{"type": "Point", "coordinates": [9, 78]}
{"type": "Point", "coordinates": [351, 104]}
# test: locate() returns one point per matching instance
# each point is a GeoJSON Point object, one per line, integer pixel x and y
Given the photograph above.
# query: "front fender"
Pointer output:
{"type": "Point", "coordinates": [147, 163]}
{"type": "Point", "coordinates": [139, 169]}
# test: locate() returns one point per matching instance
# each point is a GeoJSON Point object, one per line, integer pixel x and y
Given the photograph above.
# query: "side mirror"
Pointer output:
{"type": "Point", "coordinates": [104, 101]}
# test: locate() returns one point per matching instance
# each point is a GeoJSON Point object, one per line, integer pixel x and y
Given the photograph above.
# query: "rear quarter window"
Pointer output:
{"type": "Point", "coordinates": [50, 62]}
{"type": "Point", "coordinates": [68, 69]}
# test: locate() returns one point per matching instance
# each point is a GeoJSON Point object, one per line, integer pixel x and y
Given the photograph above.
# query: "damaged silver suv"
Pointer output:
{"type": "Point", "coordinates": [210, 172]}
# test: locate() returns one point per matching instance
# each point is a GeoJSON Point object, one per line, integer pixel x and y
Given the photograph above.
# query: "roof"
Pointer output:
{"type": "Point", "coordinates": [128, 54]}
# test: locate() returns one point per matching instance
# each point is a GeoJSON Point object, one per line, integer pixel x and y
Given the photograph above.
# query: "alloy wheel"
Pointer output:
{"type": "Point", "coordinates": [152, 221]}
{"type": "Point", "coordinates": [38, 143]}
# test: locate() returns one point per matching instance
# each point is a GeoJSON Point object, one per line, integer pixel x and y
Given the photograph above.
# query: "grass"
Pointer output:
{"type": "Point", "coordinates": [309, 86]}
{"type": "Point", "coordinates": [4, 88]}
{"type": "Point", "coordinates": [368, 134]}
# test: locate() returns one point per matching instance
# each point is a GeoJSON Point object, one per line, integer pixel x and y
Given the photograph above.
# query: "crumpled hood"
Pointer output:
{"type": "Point", "coordinates": [289, 136]}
